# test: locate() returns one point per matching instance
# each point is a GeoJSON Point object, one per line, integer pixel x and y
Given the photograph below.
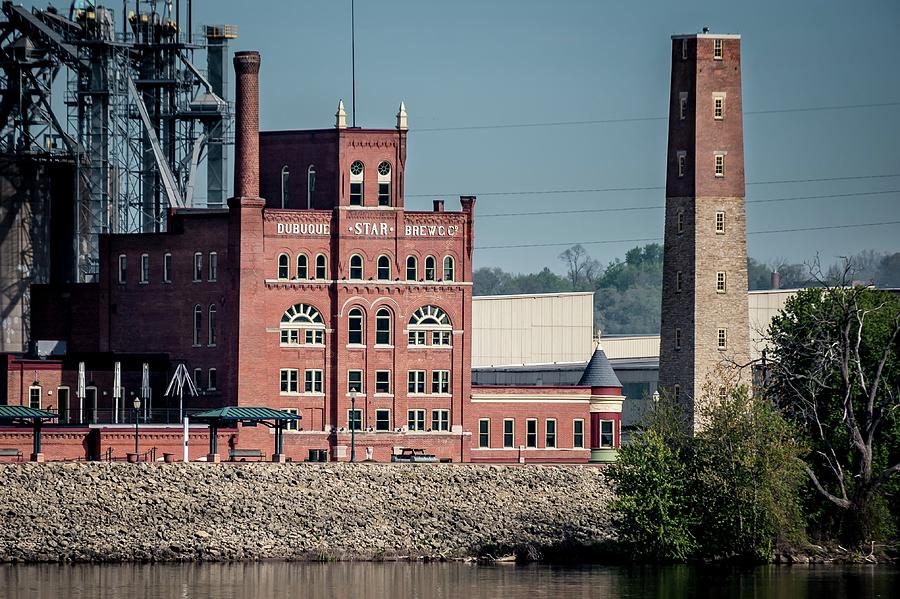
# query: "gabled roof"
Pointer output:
{"type": "Point", "coordinates": [599, 372]}
{"type": "Point", "coordinates": [245, 413]}
{"type": "Point", "coordinates": [24, 412]}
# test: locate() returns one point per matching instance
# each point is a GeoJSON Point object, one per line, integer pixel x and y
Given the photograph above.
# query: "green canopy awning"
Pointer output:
{"type": "Point", "coordinates": [246, 413]}
{"type": "Point", "coordinates": [24, 413]}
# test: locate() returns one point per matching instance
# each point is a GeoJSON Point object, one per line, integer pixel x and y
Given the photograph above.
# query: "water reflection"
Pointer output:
{"type": "Point", "coordinates": [437, 581]}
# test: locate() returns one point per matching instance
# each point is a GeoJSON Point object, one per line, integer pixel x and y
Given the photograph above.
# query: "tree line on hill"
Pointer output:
{"type": "Point", "coordinates": [627, 293]}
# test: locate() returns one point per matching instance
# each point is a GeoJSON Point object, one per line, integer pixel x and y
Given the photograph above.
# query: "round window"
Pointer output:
{"type": "Point", "coordinates": [384, 168]}
{"type": "Point", "coordinates": [356, 168]}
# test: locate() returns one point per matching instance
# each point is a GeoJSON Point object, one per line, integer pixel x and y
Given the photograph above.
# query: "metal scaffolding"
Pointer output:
{"type": "Point", "coordinates": [140, 117]}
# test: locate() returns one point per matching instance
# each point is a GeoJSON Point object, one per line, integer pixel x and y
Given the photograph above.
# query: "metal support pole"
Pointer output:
{"type": "Point", "coordinates": [353, 426]}
{"type": "Point", "coordinates": [136, 434]}
{"type": "Point", "coordinates": [186, 456]}
{"type": "Point", "coordinates": [37, 436]}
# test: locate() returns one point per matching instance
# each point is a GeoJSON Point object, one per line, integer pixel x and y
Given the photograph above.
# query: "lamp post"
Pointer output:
{"type": "Point", "coordinates": [136, 402]}
{"type": "Point", "coordinates": [353, 425]}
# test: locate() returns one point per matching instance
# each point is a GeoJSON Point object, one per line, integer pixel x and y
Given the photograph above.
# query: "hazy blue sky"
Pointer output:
{"type": "Point", "coordinates": [471, 63]}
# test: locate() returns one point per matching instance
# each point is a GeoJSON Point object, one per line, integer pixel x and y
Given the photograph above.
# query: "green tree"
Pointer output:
{"type": "Point", "coordinates": [835, 372]}
{"type": "Point", "coordinates": [759, 276]}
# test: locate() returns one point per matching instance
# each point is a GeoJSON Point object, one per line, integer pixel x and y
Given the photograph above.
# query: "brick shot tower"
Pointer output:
{"type": "Point", "coordinates": [704, 326]}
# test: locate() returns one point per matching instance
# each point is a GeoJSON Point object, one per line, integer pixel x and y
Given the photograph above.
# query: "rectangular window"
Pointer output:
{"type": "Point", "coordinates": [720, 165]}
{"type": "Point", "coordinates": [720, 282]}
{"type": "Point", "coordinates": [356, 193]}
{"type": "Point", "coordinates": [355, 381]}
{"type": "Point", "coordinates": [290, 337]}
{"type": "Point", "coordinates": [382, 381]}
{"type": "Point", "coordinates": [354, 420]}
{"type": "Point", "coordinates": [578, 434]}
{"type": "Point", "coordinates": [382, 420]}
{"type": "Point", "coordinates": [550, 437]}
{"type": "Point", "coordinates": [198, 267]}
{"type": "Point", "coordinates": [531, 433]}
{"type": "Point", "coordinates": [62, 404]}
{"type": "Point", "coordinates": [123, 263]}
{"type": "Point", "coordinates": [289, 380]}
{"type": "Point", "coordinates": [682, 163]}
{"type": "Point", "coordinates": [682, 105]}
{"type": "Point", "coordinates": [167, 268]}
{"type": "Point", "coordinates": [508, 432]}
{"type": "Point", "coordinates": [314, 337]}
{"type": "Point", "coordinates": [440, 338]}
{"type": "Point", "coordinates": [417, 337]}
{"type": "Point", "coordinates": [484, 432]}
{"type": "Point", "coordinates": [677, 338]}
{"type": "Point", "coordinates": [720, 222]}
{"type": "Point", "coordinates": [384, 194]}
{"type": "Point", "coordinates": [145, 268]}
{"type": "Point", "coordinates": [440, 381]}
{"type": "Point", "coordinates": [416, 381]}
{"type": "Point", "coordinates": [291, 425]}
{"type": "Point", "coordinates": [607, 433]}
{"type": "Point", "coordinates": [415, 420]}
{"type": "Point", "coordinates": [717, 49]}
{"type": "Point", "coordinates": [211, 379]}
{"type": "Point", "coordinates": [722, 339]}
{"type": "Point", "coordinates": [440, 420]}
{"type": "Point", "coordinates": [718, 107]}
{"type": "Point", "coordinates": [213, 266]}
{"type": "Point", "coordinates": [677, 392]}
{"type": "Point", "coordinates": [723, 393]}
{"type": "Point", "coordinates": [684, 49]}
{"type": "Point", "coordinates": [677, 281]}
{"type": "Point", "coordinates": [211, 333]}
{"type": "Point", "coordinates": [34, 398]}
{"type": "Point", "coordinates": [312, 381]}
{"type": "Point", "coordinates": [679, 222]}
{"type": "Point", "coordinates": [198, 372]}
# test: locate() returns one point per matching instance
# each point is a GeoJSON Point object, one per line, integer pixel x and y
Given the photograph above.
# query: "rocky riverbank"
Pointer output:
{"type": "Point", "coordinates": [177, 512]}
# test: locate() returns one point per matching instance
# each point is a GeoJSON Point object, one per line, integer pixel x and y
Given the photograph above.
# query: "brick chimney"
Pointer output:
{"type": "Point", "coordinates": [776, 280]}
{"type": "Point", "coordinates": [438, 205]}
{"type": "Point", "coordinates": [246, 136]}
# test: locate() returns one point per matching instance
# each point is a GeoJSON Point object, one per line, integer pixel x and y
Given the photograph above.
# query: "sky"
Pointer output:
{"type": "Point", "coordinates": [483, 63]}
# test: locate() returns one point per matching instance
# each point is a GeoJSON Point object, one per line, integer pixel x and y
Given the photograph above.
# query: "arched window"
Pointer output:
{"type": "Point", "coordinates": [321, 267]}
{"type": "Point", "coordinates": [310, 185]}
{"type": "Point", "coordinates": [384, 268]}
{"type": "Point", "coordinates": [356, 267]}
{"type": "Point", "coordinates": [355, 327]}
{"type": "Point", "coordinates": [357, 171]}
{"type": "Point", "coordinates": [384, 184]}
{"type": "Point", "coordinates": [412, 268]}
{"type": "Point", "coordinates": [211, 333]}
{"type": "Point", "coordinates": [302, 321]}
{"type": "Point", "coordinates": [198, 323]}
{"type": "Point", "coordinates": [285, 179]}
{"type": "Point", "coordinates": [449, 268]}
{"type": "Point", "coordinates": [429, 268]}
{"type": "Point", "coordinates": [383, 327]}
{"type": "Point", "coordinates": [430, 325]}
{"type": "Point", "coordinates": [302, 266]}
{"type": "Point", "coordinates": [284, 269]}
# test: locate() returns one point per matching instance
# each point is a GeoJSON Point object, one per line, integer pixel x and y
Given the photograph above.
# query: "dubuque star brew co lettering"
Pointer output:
{"type": "Point", "coordinates": [374, 229]}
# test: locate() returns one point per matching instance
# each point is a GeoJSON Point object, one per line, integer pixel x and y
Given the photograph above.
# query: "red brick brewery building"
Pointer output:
{"type": "Point", "coordinates": [315, 292]}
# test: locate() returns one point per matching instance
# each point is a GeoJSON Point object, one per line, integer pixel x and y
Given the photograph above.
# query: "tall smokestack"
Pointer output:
{"type": "Point", "coordinates": [776, 280]}
{"type": "Point", "coordinates": [246, 137]}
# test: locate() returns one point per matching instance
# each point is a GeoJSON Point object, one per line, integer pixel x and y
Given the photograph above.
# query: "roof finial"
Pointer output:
{"type": "Point", "coordinates": [340, 117]}
{"type": "Point", "coordinates": [402, 123]}
{"type": "Point", "coordinates": [599, 337]}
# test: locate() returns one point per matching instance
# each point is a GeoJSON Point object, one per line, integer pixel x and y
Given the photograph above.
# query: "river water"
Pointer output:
{"type": "Point", "coordinates": [439, 581]}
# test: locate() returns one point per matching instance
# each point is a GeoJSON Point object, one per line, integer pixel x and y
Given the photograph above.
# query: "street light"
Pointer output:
{"type": "Point", "coordinates": [353, 424]}
{"type": "Point", "coordinates": [136, 402]}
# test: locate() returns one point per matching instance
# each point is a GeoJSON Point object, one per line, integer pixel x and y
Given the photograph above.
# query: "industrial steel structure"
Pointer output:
{"type": "Point", "coordinates": [135, 121]}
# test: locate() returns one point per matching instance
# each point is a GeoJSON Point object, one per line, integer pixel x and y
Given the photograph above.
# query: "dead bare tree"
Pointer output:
{"type": "Point", "coordinates": [834, 370]}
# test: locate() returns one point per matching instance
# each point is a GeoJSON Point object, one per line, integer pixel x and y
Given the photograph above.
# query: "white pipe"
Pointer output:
{"type": "Point", "coordinates": [186, 457]}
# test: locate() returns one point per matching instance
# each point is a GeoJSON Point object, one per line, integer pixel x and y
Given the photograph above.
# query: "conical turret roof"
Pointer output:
{"type": "Point", "coordinates": [599, 372]}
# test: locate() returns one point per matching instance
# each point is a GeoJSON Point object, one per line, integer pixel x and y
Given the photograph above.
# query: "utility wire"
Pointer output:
{"type": "Point", "coordinates": [660, 207]}
{"type": "Point", "coordinates": [651, 188]}
{"type": "Point", "coordinates": [646, 118]}
{"type": "Point", "coordinates": [646, 239]}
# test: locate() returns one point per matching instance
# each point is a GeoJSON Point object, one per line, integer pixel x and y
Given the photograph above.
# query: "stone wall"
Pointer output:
{"type": "Point", "coordinates": [176, 512]}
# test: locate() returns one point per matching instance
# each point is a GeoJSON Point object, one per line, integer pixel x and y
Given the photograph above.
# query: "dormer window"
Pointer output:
{"type": "Point", "coordinates": [285, 178]}
{"type": "Point", "coordinates": [384, 184]}
{"type": "Point", "coordinates": [356, 183]}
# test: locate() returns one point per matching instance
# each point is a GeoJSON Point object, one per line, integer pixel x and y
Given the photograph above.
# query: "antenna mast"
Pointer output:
{"type": "Point", "coordinates": [353, 58]}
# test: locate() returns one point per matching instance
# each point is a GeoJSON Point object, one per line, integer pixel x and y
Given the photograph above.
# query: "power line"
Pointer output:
{"type": "Point", "coordinates": [646, 118]}
{"type": "Point", "coordinates": [647, 239]}
{"type": "Point", "coordinates": [660, 207]}
{"type": "Point", "coordinates": [650, 188]}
